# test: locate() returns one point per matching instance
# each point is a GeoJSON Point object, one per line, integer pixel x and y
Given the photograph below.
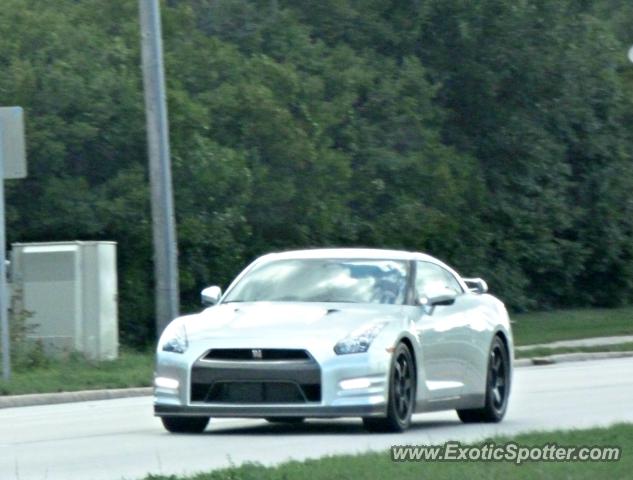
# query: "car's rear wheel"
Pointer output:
{"type": "Point", "coordinates": [293, 420]}
{"type": "Point", "coordinates": [497, 388]}
{"type": "Point", "coordinates": [401, 403]}
{"type": "Point", "coordinates": [185, 424]}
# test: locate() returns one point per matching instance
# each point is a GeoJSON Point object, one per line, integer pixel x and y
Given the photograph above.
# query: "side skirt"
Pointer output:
{"type": "Point", "coordinates": [474, 400]}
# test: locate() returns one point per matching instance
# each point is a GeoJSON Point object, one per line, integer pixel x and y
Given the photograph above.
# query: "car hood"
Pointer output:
{"type": "Point", "coordinates": [277, 320]}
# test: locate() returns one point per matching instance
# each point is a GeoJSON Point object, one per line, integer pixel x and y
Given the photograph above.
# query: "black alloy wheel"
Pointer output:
{"type": "Point", "coordinates": [497, 388]}
{"type": "Point", "coordinates": [402, 388]}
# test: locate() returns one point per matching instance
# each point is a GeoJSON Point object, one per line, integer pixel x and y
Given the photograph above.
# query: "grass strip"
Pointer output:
{"type": "Point", "coordinates": [545, 327]}
{"type": "Point", "coordinates": [544, 351]}
{"type": "Point", "coordinates": [379, 466]}
{"type": "Point", "coordinates": [131, 369]}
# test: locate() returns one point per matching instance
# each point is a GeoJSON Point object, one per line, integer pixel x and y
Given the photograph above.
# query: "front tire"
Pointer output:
{"type": "Point", "coordinates": [185, 424]}
{"type": "Point", "coordinates": [497, 388]}
{"type": "Point", "coordinates": [402, 387]}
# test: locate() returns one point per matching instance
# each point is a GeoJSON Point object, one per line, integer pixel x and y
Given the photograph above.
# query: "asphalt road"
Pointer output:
{"type": "Point", "coordinates": [117, 439]}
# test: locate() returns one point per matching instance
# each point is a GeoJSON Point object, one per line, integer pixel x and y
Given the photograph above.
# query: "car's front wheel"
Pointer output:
{"type": "Point", "coordinates": [401, 395]}
{"type": "Point", "coordinates": [185, 424]}
{"type": "Point", "coordinates": [497, 388]}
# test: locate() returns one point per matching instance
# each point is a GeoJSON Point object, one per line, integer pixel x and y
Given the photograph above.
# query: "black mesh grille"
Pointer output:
{"type": "Point", "coordinates": [255, 392]}
{"type": "Point", "coordinates": [245, 354]}
{"type": "Point", "coordinates": [312, 392]}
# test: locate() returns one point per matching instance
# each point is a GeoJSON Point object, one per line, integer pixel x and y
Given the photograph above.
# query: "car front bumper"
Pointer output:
{"type": "Point", "coordinates": [350, 385]}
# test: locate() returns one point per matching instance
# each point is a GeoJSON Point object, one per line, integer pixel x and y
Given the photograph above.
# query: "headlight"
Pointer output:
{"type": "Point", "coordinates": [174, 339]}
{"type": "Point", "coordinates": [359, 340]}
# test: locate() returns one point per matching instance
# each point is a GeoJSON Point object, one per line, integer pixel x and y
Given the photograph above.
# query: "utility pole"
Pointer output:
{"type": "Point", "coordinates": [163, 221]}
{"type": "Point", "coordinates": [4, 314]}
{"type": "Point", "coordinates": [12, 165]}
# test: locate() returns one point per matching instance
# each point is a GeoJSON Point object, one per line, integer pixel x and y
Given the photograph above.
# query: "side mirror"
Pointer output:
{"type": "Point", "coordinates": [442, 296]}
{"type": "Point", "coordinates": [211, 295]}
{"type": "Point", "coordinates": [476, 285]}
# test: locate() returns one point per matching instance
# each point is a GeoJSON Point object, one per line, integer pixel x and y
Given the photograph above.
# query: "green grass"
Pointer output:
{"type": "Point", "coordinates": [131, 369]}
{"type": "Point", "coordinates": [544, 327]}
{"type": "Point", "coordinates": [379, 465]}
{"type": "Point", "coordinates": [544, 351]}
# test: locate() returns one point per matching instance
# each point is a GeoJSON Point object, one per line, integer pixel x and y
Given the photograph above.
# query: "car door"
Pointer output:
{"type": "Point", "coordinates": [442, 331]}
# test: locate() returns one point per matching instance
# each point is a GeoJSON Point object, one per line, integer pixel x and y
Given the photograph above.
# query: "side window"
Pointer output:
{"type": "Point", "coordinates": [430, 277]}
{"type": "Point", "coordinates": [451, 282]}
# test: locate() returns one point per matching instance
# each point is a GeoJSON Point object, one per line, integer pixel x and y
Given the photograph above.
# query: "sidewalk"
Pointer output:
{"type": "Point", "coordinates": [574, 356]}
{"type": "Point", "coordinates": [584, 342]}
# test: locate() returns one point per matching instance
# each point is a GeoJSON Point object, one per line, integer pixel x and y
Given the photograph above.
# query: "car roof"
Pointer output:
{"type": "Point", "coordinates": [360, 253]}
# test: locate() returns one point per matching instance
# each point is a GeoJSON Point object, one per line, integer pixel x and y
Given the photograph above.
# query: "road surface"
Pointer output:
{"type": "Point", "coordinates": [117, 439]}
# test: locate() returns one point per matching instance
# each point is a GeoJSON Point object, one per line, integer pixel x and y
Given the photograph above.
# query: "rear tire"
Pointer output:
{"type": "Point", "coordinates": [291, 420]}
{"type": "Point", "coordinates": [185, 424]}
{"type": "Point", "coordinates": [497, 388]}
{"type": "Point", "coordinates": [402, 386]}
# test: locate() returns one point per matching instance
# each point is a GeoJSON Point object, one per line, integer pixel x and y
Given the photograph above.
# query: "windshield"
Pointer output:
{"type": "Point", "coordinates": [323, 280]}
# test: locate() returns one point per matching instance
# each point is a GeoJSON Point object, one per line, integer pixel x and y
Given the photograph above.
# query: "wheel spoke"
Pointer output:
{"type": "Point", "coordinates": [496, 362]}
{"type": "Point", "coordinates": [398, 371]}
{"type": "Point", "coordinates": [402, 407]}
{"type": "Point", "coordinates": [497, 396]}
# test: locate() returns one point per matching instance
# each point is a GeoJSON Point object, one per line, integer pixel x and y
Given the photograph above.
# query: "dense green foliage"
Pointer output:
{"type": "Point", "coordinates": [492, 134]}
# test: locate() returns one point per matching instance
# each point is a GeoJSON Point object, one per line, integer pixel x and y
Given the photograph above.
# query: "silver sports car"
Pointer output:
{"type": "Point", "coordinates": [376, 334]}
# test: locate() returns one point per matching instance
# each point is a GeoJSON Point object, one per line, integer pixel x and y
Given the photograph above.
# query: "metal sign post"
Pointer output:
{"type": "Point", "coordinates": [12, 165]}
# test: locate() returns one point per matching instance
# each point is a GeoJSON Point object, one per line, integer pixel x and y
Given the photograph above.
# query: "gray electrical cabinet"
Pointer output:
{"type": "Point", "coordinates": [69, 292]}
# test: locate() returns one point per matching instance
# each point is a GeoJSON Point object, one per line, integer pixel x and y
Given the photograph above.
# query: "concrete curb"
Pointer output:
{"type": "Point", "coordinates": [70, 397]}
{"type": "Point", "coordinates": [91, 395]}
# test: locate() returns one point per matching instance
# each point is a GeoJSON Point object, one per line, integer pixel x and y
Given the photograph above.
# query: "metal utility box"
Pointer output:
{"type": "Point", "coordinates": [70, 291]}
